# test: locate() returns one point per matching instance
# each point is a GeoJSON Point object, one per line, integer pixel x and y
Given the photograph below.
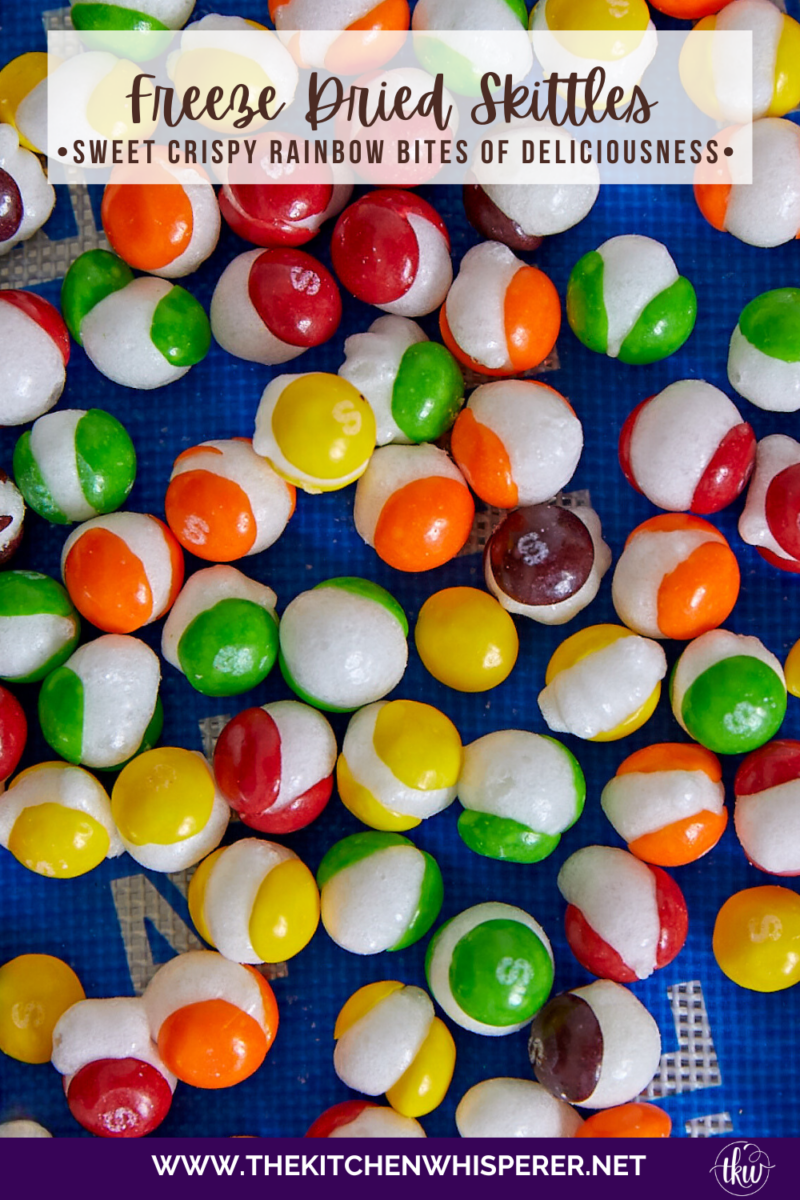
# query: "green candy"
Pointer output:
{"type": "Point", "coordinates": [230, 648]}
{"type": "Point", "coordinates": [113, 17]}
{"type": "Point", "coordinates": [664, 325]}
{"type": "Point", "coordinates": [586, 311]}
{"type": "Point", "coordinates": [30, 594]}
{"type": "Point", "coordinates": [354, 849]}
{"type": "Point", "coordinates": [500, 973]}
{"type": "Point", "coordinates": [428, 392]}
{"type": "Point", "coordinates": [502, 838]}
{"type": "Point", "coordinates": [61, 713]}
{"type": "Point", "coordinates": [104, 457]}
{"type": "Point", "coordinates": [370, 591]}
{"type": "Point", "coordinates": [180, 328]}
{"type": "Point", "coordinates": [735, 705]}
{"type": "Point", "coordinates": [92, 277]}
{"type": "Point", "coordinates": [771, 323]}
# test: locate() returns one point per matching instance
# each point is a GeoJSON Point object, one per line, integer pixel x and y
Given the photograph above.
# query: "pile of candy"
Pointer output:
{"type": "Point", "coordinates": [438, 444]}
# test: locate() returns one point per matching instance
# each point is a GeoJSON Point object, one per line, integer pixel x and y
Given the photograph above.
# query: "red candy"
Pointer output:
{"type": "Point", "coordinates": [767, 812]}
{"type": "Point", "coordinates": [44, 314]}
{"type": "Point", "coordinates": [280, 214]}
{"type": "Point", "coordinates": [13, 733]}
{"type": "Point", "coordinates": [119, 1097]}
{"type": "Point", "coordinates": [392, 249]}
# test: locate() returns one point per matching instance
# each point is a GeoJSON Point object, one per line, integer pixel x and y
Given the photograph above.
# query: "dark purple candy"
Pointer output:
{"type": "Point", "coordinates": [11, 207]}
{"type": "Point", "coordinates": [566, 1048]}
{"type": "Point", "coordinates": [540, 555]}
{"type": "Point", "coordinates": [490, 221]}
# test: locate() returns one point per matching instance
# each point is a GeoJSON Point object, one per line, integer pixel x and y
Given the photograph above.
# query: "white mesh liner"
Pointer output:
{"type": "Point", "coordinates": [694, 1064]}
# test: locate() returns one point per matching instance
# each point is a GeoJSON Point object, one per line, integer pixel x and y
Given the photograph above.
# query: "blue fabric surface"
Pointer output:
{"type": "Point", "coordinates": [755, 1036]}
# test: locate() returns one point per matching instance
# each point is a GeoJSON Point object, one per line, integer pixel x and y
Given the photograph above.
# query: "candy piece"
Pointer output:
{"type": "Point", "coordinates": [167, 227]}
{"type": "Point", "coordinates": [505, 1108]}
{"type": "Point", "coordinates": [361, 1119]}
{"type": "Point", "coordinates": [39, 628]}
{"type": "Point", "coordinates": [484, 32]}
{"type": "Point", "coordinates": [12, 517]}
{"type": "Point", "coordinates": [281, 214]}
{"type": "Point", "coordinates": [254, 901]}
{"type": "Point", "coordinates": [316, 430]}
{"type": "Point", "coordinates": [688, 10]}
{"type": "Point", "coordinates": [490, 968]}
{"type": "Point", "coordinates": [35, 990]}
{"type": "Point", "coordinates": [624, 919]}
{"type": "Point", "coordinates": [687, 448]}
{"type": "Point", "coordinates": [596, 1046]}
{"type": "Point", "coordinates": [143, 333]}
{"type": "Point", "coordinates": [668, 803]}
{"type": "Point", "coordinates": [728, 692]}
{"type": "Point", "coordinates": [222, 632]}
{"type": "Point", "coordinates": [122, 571]}
{"type": "Point", "coordinates": [168, 810]}
{"type": "Point", "coordinates": [343, 644]}
{"type": "Point", "coordinates": [769, 520]}
{"type": "Point", "coordinates": [225, 501]}
{"type": "Point", "coordinates": [131, 14]}
{"type": "Point", "coordinates": [213, 1020]}
{"type": "Point", "coordinates": [274, 765]}
{"type": "Point", "coordinates": [627, 300]}
{"type": "Point", "coordinates": [757, 939]}
{"type": "Point", "coordinates": [501, 317]}
{"type": "Point", "coordinates": [26, 196]}
{"type": "Point", "coordinates": [791, 669]}
{"type": "Point", "coordinates": [517, 442]}
{"type": "Point", "coordinates": [392, 249]}
{"type": "Point", "coordinates": [343, 14]}
{"type": "Point", "coordinates": [102, 707]}
{"type": "Point", "coordinates": [414, 387]}
{"type": "Point", "coordinates": [628, 1120]}
{"type": "Point", "coordinates": [13, 733]}
{"type": "Point", "coordinates": [602, 683]}
{"type": "Point", "coordinates": [765, 212]}
{"type": "Point", "coordinates": [466, 640]}
{"type": "Point", "coordinates": [34, 352]}
{"type": "Point", "coordinates": [74, 465]}
{"type": "Point", "coordinates": [56, 820]}
{"type": "Point", "coordinates": [23, 1129]}
{"type": "Point", "coordinates": [413, 507]}
{"type": "Point", "coordinates": [676, 578]}
{"type": "Point", "coordinates": [399, 764]}
{"type": "Point", "coordinates": [269, 306]}
{"type": "Point", "coordinates": [520, 217]}
{"type": "Point", "coordinates": [767, 812]}
{"type": "Point", "coordinates": [389, 1040]}
{"type": "Point", "coordinates": [764, 354]}
{"type": "Point", "coordinates": [520, 792]}
{"type": "Point", "coordinates": [116, 1082]}
{"type": "Point", "coordinates": [18, 78]}
{"type": "Point", "coordinates": [378, 892]}
{"type": "Point", "coordinates": [546, 562]}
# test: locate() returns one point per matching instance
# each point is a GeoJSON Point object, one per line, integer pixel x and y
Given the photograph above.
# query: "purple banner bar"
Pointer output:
{"type": "Point", "coordinates": [598, 1168]}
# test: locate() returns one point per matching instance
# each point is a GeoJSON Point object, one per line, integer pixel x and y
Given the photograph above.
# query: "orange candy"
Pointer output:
{"type": "Point", "coordinates": [424, 524]}
{"type": "Point", "coordinates": [687, 838]}
{"type": "Point", "coordinates": [118, 575]}
{"type": "Point", "coordinates": [628, 1121]}
{"type": "Point", "coordinates": [231, 526]}
{"type": "Point", "coordinates": [484, 460]}
{"type": "Point", "coordinates": [213, 1044]}
{"type": "Point", "coordinates": [149, 225]}
{"type": "Point", "coordinates": [532, 313]}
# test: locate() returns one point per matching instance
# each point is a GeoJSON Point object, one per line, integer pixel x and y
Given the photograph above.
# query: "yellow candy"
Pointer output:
{"type": "Point", "coordinates": [791, 669]}
{"type": "Point", "coordinates": [324, 429]}
{"type": "Point", "coordinates": [60, 842]}
{"type": "Point", "coordinates": [197, 894]}
{"type": "Point", "coordinates": [786, 94]}
{"type": "Point", "coordinates": [589, 641]}
{"type": "Point", "coordinates": [285, 912]}
{"type": "Point", "coordinates": [35, 991]}
{"type": "Point", "coordinates": [362, 1001]}
{"type": "Point", "coordinates": [362, 804]}
{"type": "Point", "coordinates": [163, 796]}
{"type": "Point", "coordinates": [627, 15]}
{"type": "Point", "coordinates": [757, 938]}
{"type": "Point", "coordinates": [466, 639]}
{"type": "Point", "coordinates": [424, 1085]}
{"type": "Point", "coordinates": [17, 79]}
{"type": "Point", "coordinates": [419, 744]}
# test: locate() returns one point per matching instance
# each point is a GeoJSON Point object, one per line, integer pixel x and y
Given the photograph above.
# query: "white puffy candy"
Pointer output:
{"type": "Point", "coordinates": [378, 1121]}
{"type": "Point", "coordinates": [764, 354]}
{"type": "Point", "coordinates": [603, 689]}
{"type": "Point", "coordinates": [92, 1030]}
{"type": "Point", "coordinates": [775, 453]}
{"type": "Point", "coordinates": [26, 196]}
{"type": "Point", "coordinates": [639, 803]}
{"type": "Point", "coordinates": [595, 1046]}
{"type": "Point", "coordinates": [23, 1129]}
{"type": "Point", "coordinates": [97, 708]}
{"type": "Point", "coordinates": [172, 13]}
{"type": "Point", "coordinates": [503, 1108]}
{"type": "Point", "coordinates": [766, 212]}
{"type": "Point", "coordinates": [482, 32]}
{"type": "Point", "coordinates": [33, 364]}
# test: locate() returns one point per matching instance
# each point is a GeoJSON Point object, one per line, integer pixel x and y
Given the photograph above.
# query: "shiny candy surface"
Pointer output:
{"type": "Point", "coordinates": [35, 989]}
{"type": "Point", "coordinates": [764, 353]}
{"type": "Point", "coordinates": [628, 1120]}
{"type": "Point", "coordinates": [757, 938]}
{"type": "Point", "coordinates": [39, 627]}
{"type": "Point", "coordinates": [466, 639]}
{"type": "Point", "coordinates": [119, 1097]}
{"type": "Point", "coordinates": [280, 214]}
{"type": "Point", "coordinates": [361, 1119]}
{"type": "Point", "coordinates": [13, 733]}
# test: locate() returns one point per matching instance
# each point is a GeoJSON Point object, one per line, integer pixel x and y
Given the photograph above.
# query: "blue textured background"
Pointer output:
{"type": "Point", "coordinates": [756, 1037]}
